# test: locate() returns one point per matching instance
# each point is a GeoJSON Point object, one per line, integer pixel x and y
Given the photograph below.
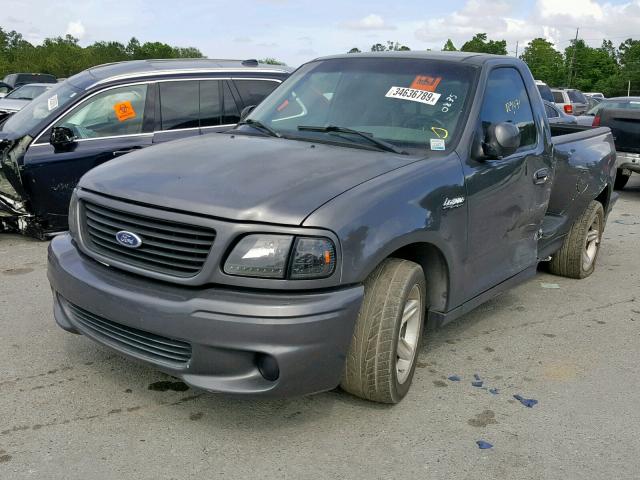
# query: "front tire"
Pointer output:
{"type": "Point", "coordinates": [382, 357]}
{"type": "Point", "coordinates": [621, 180]}
{"type": "Point", "coordinates": [577, 256]}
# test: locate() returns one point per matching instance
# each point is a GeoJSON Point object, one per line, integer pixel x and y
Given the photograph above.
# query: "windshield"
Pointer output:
{"type": "Point", "coordinates": [42, 107]}
{"type": "Point", "coordinates": [545, 93]}
{"type": "Point", "coordinates": [409, 103]}
{"type": "Point", "coordinates": [27, 92]}
{"type": "Point", "coordinates": [576, 96]}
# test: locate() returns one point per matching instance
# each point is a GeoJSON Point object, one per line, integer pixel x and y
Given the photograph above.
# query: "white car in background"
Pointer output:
{"type": "Point", "coordinates": [15, 100]}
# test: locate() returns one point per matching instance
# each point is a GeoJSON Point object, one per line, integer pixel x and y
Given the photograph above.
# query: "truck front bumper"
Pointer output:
{"type": "Point", "coordinates": [217, 339]}
{"type": "Point", "coordinates": [628, 161]}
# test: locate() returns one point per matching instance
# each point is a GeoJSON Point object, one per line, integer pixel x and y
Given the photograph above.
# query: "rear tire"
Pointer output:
{"type": "Point", "coordinates": [382, 357]}
{"type": "Point", "coordinates": [577, 256]}
{"type": "Point", "coordinates": [621, 180]}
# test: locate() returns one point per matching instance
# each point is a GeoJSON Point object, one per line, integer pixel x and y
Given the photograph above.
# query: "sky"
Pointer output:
{"type": "Point", "coordinates": [296, 31]}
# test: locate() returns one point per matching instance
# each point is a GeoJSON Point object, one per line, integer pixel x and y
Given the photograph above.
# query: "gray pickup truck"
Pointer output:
{"type": "Point", "coordinates": [368, 196]}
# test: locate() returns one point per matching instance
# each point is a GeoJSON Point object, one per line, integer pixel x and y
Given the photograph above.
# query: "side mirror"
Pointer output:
{"type": "Point", "coordinates": [62, 138]}
{"type": "Point", "coordinates": [502, 140]}
{"type": "Point", "coordinates": [246, 111]}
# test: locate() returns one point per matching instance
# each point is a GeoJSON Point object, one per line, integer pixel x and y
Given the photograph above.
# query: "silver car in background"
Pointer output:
{"type": "Point", "coordinates": [572, 101]}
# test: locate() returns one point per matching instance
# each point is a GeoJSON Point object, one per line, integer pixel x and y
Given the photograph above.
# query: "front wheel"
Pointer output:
{"type": "Point", "coordinates": [386, 340]}
{"type": "Point", "coordinates": [577, 256]}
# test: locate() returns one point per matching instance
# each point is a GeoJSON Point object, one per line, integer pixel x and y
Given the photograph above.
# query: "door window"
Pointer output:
{"type": "Point", "coordinates": [210, 103]}
{"type": "Point", "coordinates": [118, 111]}
{"type": "Point", "coordinates": [179, 106]}
{"type": "Point", "coordinates": [506, 100]}
{"type": "Point", "coordinates": [551, 112]}
{"type": "Point", "coordinates": [231, 112]}
{"type": "Point", "coordinates": [252, 92]}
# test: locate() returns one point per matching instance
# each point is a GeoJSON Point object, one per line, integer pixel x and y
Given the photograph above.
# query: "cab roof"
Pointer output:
{"type": "Point", "coordinates": [463, 57]}
{"type": "Point", "coordinates": [149, 68]}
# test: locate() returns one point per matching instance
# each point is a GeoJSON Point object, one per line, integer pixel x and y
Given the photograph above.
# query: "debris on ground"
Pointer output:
{"type": "Point", "coordinates": [527, 402]}
{"type": "Point", "coordinates": [454, 378]}
{"type": "Point", "coordinates": [478, 382]}
{"type": "Point", "coordinates": [549, 285]}
{"type": "Point", "coordinates": [482, 445]}
{"type": "Point", "coordinates": [493, 391]}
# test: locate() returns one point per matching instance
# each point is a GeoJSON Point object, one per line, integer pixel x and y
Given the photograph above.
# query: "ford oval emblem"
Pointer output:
{"type": "Point", "coordinates": [128, 239]}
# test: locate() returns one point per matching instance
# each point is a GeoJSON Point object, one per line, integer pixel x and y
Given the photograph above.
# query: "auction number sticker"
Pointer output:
{"type": "Point", "coordinates": [413, 95]}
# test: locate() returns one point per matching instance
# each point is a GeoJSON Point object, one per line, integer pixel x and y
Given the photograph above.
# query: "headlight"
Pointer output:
{"type": "Point", "coordinates": [271, 256]}
{"type": "Point", "coordinates": [260, 256]}
{"type": "Point", "coordinates": [73, 215]}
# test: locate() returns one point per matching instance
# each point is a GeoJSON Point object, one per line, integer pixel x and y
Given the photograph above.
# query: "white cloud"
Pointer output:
{"type": "Point", "coordinates": [370, 22]}
{"type": "Point", "coordinates": [551, 19]}
{"type": "Point", "coordinates": [75, 29]}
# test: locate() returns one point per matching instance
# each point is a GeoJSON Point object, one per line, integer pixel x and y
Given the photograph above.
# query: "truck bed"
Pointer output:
{"type": "Point", "coordinates": [581, 174]}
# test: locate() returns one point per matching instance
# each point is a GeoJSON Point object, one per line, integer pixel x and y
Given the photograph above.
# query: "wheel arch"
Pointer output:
{"type": "Point", "coordinates": [435, 267]}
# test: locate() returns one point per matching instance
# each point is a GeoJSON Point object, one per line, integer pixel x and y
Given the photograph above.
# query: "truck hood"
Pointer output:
{"type": "Point", "coordinates": [11, 105]}
{"type": "Point", "coordinates": [240, 177]}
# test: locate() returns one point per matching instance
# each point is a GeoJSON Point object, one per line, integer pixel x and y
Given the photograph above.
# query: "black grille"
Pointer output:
{"type": "Point", "coordinates": [167, 247]}
{"type": "Point", "coordinates": [155, 347]}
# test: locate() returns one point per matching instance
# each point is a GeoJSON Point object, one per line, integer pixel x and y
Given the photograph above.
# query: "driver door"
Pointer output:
{"type": "Point", "coordinates": [106, 125]}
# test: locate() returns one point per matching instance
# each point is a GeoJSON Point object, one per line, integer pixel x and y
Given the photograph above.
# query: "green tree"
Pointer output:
{"type": "Point", "coordinates": [449, 46]}
{"type": "Point", "coordinates": [544, 61]}
{"type": "Point", "coordinates": [389, 47]}
{"type": "Point", "coordinates": [480, 44]}
{"type": "Point", "coordinates": [586, 66]}
{"type": "Point", "coordinates": [354, 50]}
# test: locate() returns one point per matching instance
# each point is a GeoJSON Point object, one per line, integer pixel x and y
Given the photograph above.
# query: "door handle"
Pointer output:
{"type": "Point", "coordinates": [117, 153]}
{"type": "Point", "coordinates": [541, 176]}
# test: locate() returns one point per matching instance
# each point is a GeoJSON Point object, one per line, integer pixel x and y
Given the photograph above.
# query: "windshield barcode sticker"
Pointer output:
{"type": "Point", "coordinates": [422, 96]}
{"type": "Point", "coordinates": [52, 102]}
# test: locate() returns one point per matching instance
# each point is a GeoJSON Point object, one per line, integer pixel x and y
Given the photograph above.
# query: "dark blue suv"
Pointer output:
{"type": "Point", "coordinates": [108, 111]}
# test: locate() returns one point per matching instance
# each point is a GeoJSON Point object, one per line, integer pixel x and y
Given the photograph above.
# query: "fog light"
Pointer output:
{"type": "Point", "coordinates": [268, 367]}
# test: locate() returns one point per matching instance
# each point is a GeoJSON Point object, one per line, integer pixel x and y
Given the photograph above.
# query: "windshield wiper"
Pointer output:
{"type": "Point", "coordinates": [257, 124]}
{"type": "Point", "coordinates": [381, 144]}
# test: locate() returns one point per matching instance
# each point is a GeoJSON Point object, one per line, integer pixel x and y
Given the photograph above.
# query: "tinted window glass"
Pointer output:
{"type": "Point", "coordinates": [576, 97]}
{"type": "Point", "coordinates": [119, 111]}
{"type": "Point", "coordinates": [253, 92]}
{"type": "Point", "coordinates": [210, 104]}
{"type": "Point", "coordinates": [545, 93]}
{"type": "Point", "coordinates": [231, 111]}
{"type": "Point", "coordinates": [179, 105]}
{"type": "Point", "coordinates": [506, 100]}
{"type": "Point", "coordinates": [558, 97]}
{"type": "Point", "coordinates": [551, 112]}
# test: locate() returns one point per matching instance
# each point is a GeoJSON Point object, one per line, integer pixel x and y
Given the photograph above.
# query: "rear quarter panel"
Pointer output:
{"type": "Point", "coordinates": [585, 167]}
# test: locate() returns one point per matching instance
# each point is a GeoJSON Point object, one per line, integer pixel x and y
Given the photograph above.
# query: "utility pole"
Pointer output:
{"type": "Point", "coordinates": [573, 57]}
{"type": "Point", "coordinates": [629, 89]}
{"type": "Point", "coordinates": [517, 42]}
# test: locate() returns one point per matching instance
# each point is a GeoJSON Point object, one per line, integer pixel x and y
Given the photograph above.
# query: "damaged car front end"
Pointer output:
{"type": "Point", "coordinates": [14, 212]}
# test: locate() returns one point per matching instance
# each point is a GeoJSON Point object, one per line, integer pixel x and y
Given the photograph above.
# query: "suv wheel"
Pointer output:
{"type": "Point", "coordinates": [386, 340]}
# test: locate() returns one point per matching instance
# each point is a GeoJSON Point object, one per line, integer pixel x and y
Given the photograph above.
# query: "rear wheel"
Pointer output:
{"type": "Point", "coordinates": [577, 257]}
{"type": "Point", "coordinates": [621, 180]}
{"type": "Point", "coordinates": [386, 340]}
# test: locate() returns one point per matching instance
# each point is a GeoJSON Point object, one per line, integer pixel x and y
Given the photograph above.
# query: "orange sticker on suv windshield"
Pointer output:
{"type": "Point", "coordinates": [124, 111]}
{"type": "Point", "coordinates": [426, 83]}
